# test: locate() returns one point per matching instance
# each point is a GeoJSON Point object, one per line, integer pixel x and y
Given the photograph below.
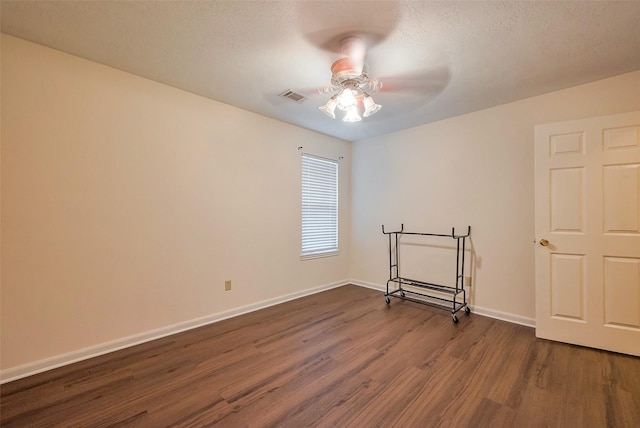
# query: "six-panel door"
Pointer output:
{"type": "Point", "coordinates": [588, 209]}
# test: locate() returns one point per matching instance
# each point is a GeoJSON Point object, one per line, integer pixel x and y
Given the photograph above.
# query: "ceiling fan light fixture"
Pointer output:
{"type": "Point", "coordinates": [330, 107]}
{"type": "Point", "coordinates": [352, 115]}
{"type": "Point", "coordinates": [350, 79]}
{"type": "Point", "coordinates": [370, 106]}
{"type": "Point", "coordinates": [346, 100]}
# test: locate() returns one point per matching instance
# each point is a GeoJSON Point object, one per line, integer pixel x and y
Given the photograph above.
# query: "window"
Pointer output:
{"type": "Point", "coordinates": [319, 206]}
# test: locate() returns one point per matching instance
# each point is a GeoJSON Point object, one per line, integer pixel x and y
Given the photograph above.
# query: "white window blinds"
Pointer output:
{"type": "Point", "coordinates": [319, 206]}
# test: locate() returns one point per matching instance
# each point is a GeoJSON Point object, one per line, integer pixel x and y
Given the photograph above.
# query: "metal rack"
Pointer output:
{"type": "Point", "coordinates": [441, 296]}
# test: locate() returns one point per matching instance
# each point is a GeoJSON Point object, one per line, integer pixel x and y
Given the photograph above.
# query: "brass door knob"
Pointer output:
{"type": "Point", "coordinates": [544, 242]}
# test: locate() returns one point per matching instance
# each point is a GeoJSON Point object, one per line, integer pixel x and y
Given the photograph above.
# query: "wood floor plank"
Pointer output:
{"type": "Point", "coordinates": [338, 358]}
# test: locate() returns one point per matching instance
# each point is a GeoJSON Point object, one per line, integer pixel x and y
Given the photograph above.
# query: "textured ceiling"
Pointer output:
{"type": "Point", "coordinates": [435, 59]}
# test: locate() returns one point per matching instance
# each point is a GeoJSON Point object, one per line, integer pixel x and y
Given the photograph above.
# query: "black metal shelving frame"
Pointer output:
{"type": "Point", "coordinates": [447, 296]}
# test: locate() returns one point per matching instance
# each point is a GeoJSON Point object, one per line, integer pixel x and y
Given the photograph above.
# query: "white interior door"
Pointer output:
{"type": "Point", "coordinates": [587, 194]}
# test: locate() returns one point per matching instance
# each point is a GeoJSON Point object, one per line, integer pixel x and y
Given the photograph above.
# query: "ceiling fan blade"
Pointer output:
{"type": "Point", "coordinates": [428, 83]}
{"type": "Point", "coordinates": [321, 25]}
{"type": "Point", "coordinates": [318, 91]}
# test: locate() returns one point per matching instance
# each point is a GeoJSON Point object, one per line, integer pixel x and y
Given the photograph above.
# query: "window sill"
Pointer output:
{"type": "Point", "coordinates": [319, 255]}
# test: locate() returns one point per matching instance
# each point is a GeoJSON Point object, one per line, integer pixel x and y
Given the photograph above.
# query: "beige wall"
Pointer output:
{"type": "Point", "coordinates": [127, 204]}
{"type": "Point", "coordinates": [474, 169]}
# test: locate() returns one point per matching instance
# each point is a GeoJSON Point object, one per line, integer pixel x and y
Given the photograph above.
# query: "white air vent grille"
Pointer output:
{"type": "Point", "coordinates": [293, 96]}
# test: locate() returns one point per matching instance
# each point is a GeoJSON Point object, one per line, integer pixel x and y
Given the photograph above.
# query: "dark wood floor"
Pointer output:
{"type": "Point", "coordinates": [335, 359]}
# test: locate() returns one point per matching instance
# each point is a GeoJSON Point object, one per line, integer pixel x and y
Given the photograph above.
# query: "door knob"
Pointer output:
{"type": "Point", "coordinates": [544, 242]}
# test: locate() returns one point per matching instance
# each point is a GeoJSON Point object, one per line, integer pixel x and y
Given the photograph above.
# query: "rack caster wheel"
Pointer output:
{"type": "Point", "coordinates": [454, 318]}
{"type": "Point", "coordinates": [402, 294]}
{"type": "Point", "coordinates": [467, 310]}
{"type": "Point", "coordinates": [388, 300]}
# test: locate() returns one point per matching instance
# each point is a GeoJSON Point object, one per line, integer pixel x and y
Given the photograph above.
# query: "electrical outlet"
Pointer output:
{"type": "Point", "coordinates": [467, 281]}
{"type": "Point", "coordinates": [227, 285]}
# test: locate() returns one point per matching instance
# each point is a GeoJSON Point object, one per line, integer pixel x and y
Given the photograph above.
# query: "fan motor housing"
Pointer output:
{"type": "Point", "coordinates": [345, 72]}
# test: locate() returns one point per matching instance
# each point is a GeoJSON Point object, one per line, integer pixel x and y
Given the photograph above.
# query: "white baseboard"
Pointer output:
{"type": "Point", "coordinates": [504, 316]}
{"type": "Point", "coordinates": [50, 363]}
{"type": "Point", "coordinates": [487, 312]}
{"type": "Point", "coordinates": [365, 284]}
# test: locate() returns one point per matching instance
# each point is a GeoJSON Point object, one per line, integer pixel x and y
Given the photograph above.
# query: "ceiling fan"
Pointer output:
{"type": "Point", "coordinates": [351, 83]}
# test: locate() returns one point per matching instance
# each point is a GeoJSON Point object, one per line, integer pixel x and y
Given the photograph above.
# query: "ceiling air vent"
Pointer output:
{"type": "Point", "coordinates": [293, 96]}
